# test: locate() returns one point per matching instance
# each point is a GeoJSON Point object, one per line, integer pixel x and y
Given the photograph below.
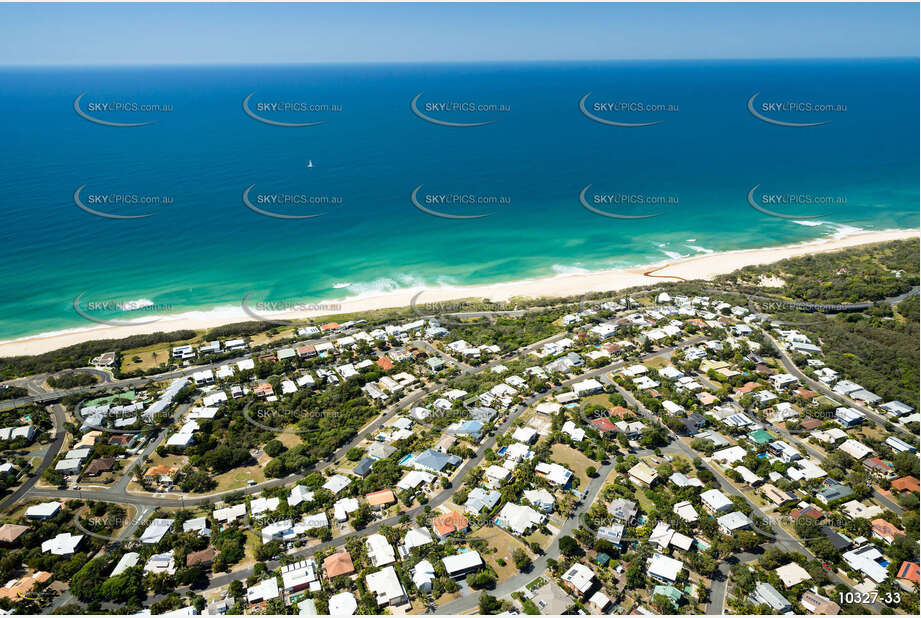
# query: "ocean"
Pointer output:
{"type": "Point", "coordinates": [378, 172]}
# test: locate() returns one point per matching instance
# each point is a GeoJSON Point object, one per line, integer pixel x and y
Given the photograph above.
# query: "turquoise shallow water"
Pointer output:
{"type": "Point", "coordinates": [206, 249]}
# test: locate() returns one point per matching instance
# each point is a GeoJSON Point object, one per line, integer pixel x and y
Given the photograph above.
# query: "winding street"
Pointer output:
{"type": "Point", "coordinates": [145, 503]}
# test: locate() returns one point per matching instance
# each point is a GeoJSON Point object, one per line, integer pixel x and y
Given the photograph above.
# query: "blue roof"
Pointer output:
{"type": "Point", "coordinates": [364, 466]}
{"type": "Point", "coordinates": [479, 498]}
{"type": "Point", "coordinates": [470, 428]}
{"type": "Point", "coordinates": [433, 460]}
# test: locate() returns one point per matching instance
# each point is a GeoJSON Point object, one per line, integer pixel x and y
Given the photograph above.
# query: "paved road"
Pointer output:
{"type": "Point", "coordinates": [781, 538]}
{"type": "Point", "coordinates": [811, 450]}
{"type": "Point", "coordinates": [51, 451]}
{"type": "Point", "coordinates": [720, 583]}
{"type": "Point", "coordinates": [117, 493]}
{"type": "Point", "coordinates": [445, 495]}
{"type": "Point", "coordinates": [791, 368]}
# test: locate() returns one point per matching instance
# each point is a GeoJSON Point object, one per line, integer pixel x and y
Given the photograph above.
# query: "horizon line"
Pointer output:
{"type": "Point", "coordinates": [455, 62]}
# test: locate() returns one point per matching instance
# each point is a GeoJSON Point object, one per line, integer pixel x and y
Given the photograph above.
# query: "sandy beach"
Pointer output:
{"type": "Point", "coordinates": [695, 267]}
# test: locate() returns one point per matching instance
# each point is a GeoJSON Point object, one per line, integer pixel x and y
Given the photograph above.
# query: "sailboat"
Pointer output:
{"type": "Point", "coordinates": [310, 163]}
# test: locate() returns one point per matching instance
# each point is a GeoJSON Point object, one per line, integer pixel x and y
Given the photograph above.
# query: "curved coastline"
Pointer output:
{"type": "Point", "coordinates": [701, 266]}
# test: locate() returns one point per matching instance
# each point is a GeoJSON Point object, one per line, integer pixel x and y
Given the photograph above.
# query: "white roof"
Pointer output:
{"type": "Point", "coordinates": [423, 573]}
{"type": "Point", "coordinates": [462, 562]}
{"type": "Point", "coordinates": [664, 567]}
{"type": "Point", "coordinates": [576, 433]}
{"type": "Point", "coordinates": [317, 520]}
{"type": "Point", "coordinates": [682, 541]}
{"type": "Point", "coordinates": [385, 585]}
{"type": "Point", "coordinates": [519, 518]}
{"type": "Point", "coordinates": [262, 505]}
{"type": "Point", "coordinates": [517, 451]}
{"type": "Point", "coordinates": [730, 455]}
{"type": "Point", "coordinates": [539, 497]}
{"type": "Point", "coordinates": [298, 574]}
{"type": "Point", "coordinates": [414, 478]}
{"type": "Point", "coordinates": [600, 600]}
{"type": "Point", "coordinates": [265, 590]}
{"type": "Point", "coordinates": [343, 507]}
{"type": "Point", "coordinates": [580, 577]}
{"type": "Point", "coordinates": [45, 509]}
{"type": "Point", "coordinates": [590, 384]}
{"type": "Point", "coordinates": [127, 561]}
{"type": "Point", "coordinates": [864, 559]}
{"type": "Point", "coordinates": [661, 535]}
{"type": "Point", "coordinates": [417, 537]}
{"type": "Point", "coordinates": [715, 499]}
{"type": "Point", "coordinates": [734, 521]}
{"type": "Point", "coordinates": [379, 550]}
{"type": "Point", "coordinates": [807, 469]}
{"type": "Point", "coordinates": [497, 473]}
{"type": "Point", "coordinates": [336, 483]}
{"type": "Point", "coordinates": [792, 574]}
{"type": "Point", "coordinates": [230, 513]}
{"type": "Point", "coordinates": [197, 524]}
{"type": "Point", "coordinates": [342, 604]}
{"type": "Point", "coordinates": [554, 472]}
{"type": "Point", "coordinates": [548, 407]}
{"type": "Point", "coordinates": [63, 544]}
{"type": "Point", "coordinates": [299, 493]}
{"type": "Point", "coordinates": [685, 510]}
{"type": "Point", "coordinates": [156, 530]}
{"type": "Point", "coordinates": [524, 434]}
{"type": "Point", "coordinates": [857, 450]}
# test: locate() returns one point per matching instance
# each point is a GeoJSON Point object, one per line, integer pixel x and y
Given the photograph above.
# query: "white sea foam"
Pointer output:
{"type": "Point", "coordinates": [134, 305]}
{"type": "Point", "coordinates": [401, 283]}
{"type": "Point", "coordinates": [563, 269]}
{"type": "Point", "coordinates": [700, 249]}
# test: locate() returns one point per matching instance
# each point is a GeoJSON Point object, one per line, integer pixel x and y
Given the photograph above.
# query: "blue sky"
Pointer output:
{"type": "Point", "coordinates": [107, 34]}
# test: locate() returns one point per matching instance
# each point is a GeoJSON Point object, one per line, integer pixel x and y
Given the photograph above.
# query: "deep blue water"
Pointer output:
{"type": "Point", "coordinates": [207, 249]}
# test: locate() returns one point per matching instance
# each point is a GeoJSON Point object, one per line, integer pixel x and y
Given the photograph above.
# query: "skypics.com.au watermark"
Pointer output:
{"type": "Point", "coordinates": [127, 205]}
{"type": "Point", "coordinates": [131, 312]}
{"type": "Point", "coordinates": [112, 113]}
{"type": "Point", "coordinates": [624, 205]}
{"type": "Point", "coordinates": [455, 113]}
{"type": "Point", "coordinates": [263, 310]}
{"type": "Point", "coordinates": [625, 113]}
{"type": "Point", "coordinates": [455, 205]}
{"type": "Point", "coordinates": [107, 522]}
{"type": "Point", "coordinates": [449, 312]}
{"type": "Point", "coordinates": [280, 205]}
{"type": "Point", "coordinates": [791, 205]}
{"type": "Point", "coordinates": [792, 113]}
{"type": "Point", "coordinates": [279, 421]}
{"type": "Point", "coordinates": [286, 113]}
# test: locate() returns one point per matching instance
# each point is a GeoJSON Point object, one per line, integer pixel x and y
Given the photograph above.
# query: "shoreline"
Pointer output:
{"type": "Point", "coordinates": [704, 266]}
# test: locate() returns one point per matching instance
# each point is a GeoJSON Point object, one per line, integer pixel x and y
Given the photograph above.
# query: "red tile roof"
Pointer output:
{"type": "Point", "coordinates": [906, 483]}
{"type": "Point", "coordinates": [810, 511]}
{"type": "Point", "coordinates": [338, 564]}
{"type": "Point", "coordinates": [450, 522]}
{"type": "Point", "coordinates": [909, 571]}
{"type": "Point", "coordinates": [604, 424]}
{"type": "Point", "coordinates": [380, 498]}
{"type": "Point", "coordinates": [884, 529]}
{"type": "Point", "coordinates": [748, 387]}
